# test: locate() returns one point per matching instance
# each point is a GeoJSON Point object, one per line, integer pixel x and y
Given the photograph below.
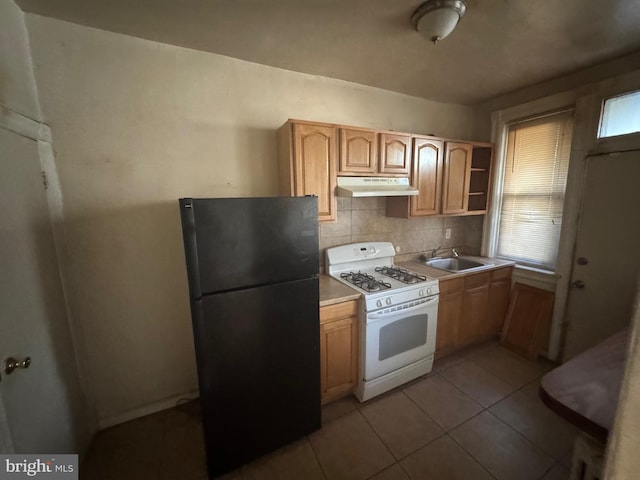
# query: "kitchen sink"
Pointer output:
{"type": "Point", "coordinates": [456, 264]}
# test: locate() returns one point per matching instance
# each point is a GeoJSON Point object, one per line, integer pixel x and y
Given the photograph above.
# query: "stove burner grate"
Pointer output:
{"type": "Point", "coordinates": [402, 275]}
{"type": "Point", "coordinates": [364, 281]}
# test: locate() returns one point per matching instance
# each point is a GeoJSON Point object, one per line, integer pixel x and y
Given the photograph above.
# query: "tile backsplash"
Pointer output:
{"type": "Point", "coordinates": [364, 220]}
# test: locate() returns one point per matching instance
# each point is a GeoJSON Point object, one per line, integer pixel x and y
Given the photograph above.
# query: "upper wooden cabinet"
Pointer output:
{"type": "Point", "coordinates": [467, 177]}
{"type": "Point", "coordinates": [452, 178]}
{"type": "Point", "coordinates": [457, 171]}
{"type": "Point", "coordinates": [358, 152]}
{"type": "Point", "coordinates": [307, 161]}
{"type": "Point", "coordinates": [480, 178]}
{"type": "Point", "coordinates": [395, 154]}
{"type": "Point", "coordinates": [426, 177]}
{"type": "Point", "coordinates": [370, 153]}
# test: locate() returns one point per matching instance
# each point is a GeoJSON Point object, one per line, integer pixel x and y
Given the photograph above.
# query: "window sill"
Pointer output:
{"type": "Point", "coordinates": [536, 277]}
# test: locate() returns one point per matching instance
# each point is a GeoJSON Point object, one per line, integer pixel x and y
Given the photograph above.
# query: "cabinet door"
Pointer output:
{"type": "Point", "coordinates": [475, 309]}
{"type": "Point", "coordinates": [457, 170]}
{"type": "Point", "coordinates": [338, 350]}
{"type": "Point", "coordinates": [449, 312]}
{"type": "Point", "coordinates": [426, 176]}
{"type": "Point", "coordinates": [395, 154]}
{"type": "Point", "coordinates": [315, 164]}
{"type": "Point", "coordinates": [358, 152]}
{"type": "Point", "coordinates": [526, 329]}
{"type": "Point", "coordinates": [499, 296]}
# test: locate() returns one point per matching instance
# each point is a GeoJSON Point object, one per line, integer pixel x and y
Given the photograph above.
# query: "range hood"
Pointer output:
{"type": "Point", "coordinates": [374, 187]}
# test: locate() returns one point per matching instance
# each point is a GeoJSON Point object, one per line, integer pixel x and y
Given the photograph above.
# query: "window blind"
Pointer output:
{"type": "Point", "coordinates": [535, 178]}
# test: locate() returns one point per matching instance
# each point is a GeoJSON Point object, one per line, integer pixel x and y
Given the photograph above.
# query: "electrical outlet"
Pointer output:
{"type": "Point", "coordinates": [447, 233]}
{"type": "Point", "coordinates": [397, 248]}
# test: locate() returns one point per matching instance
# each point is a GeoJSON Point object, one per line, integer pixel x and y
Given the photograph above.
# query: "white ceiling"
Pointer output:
{"type": "Point", "coordinates": [499, 46]}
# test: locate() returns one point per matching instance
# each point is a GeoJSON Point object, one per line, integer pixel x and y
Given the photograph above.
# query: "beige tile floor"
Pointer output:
{"type": "Point", "coordinates": [476, 416]}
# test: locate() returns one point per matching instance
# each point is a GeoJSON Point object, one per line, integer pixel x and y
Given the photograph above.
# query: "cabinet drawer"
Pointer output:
{"type": "Point", "coordinates": [453, 285]}
{"type": "Point", "coordinates": [476, 280]}
{"type": "Point", "coordinates": [501, 273]}
{"type": "Point", "coordinates": [338, 311]}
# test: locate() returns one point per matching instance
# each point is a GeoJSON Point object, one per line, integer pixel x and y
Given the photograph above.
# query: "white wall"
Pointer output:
{"type": "Point", "coordinates": [17, 82]}
{"type": "Point", "coordinates": [139, 124]}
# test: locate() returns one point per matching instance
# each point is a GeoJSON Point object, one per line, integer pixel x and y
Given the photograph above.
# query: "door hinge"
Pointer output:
{"type": "Point", "coordinates": [45, 181]}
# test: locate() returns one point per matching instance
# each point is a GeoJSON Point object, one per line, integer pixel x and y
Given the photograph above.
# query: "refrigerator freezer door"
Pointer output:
{"type": "Point", "coordinates": [258, 358]}
{"type": "Point", "coordinates": [234, 243]}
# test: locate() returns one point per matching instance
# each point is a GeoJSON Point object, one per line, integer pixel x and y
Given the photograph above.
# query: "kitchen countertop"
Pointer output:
{"type": "Point", "coordinates": [332, 291]}
{"type": "Point", "coordinates": [419, 267]}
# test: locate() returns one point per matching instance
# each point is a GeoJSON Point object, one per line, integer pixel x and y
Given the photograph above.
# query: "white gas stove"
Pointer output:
{"type": "Point", "coordinates": [398, 318]}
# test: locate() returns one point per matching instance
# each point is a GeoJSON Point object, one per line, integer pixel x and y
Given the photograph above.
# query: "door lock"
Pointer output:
{"type": "Point", "coordinates": [11, 364]}
{"type": "Point", "coordinates": [578, 284]}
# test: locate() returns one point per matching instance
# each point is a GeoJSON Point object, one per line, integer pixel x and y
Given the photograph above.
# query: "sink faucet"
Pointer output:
{"type": "Point", "coordinates": [454, 252]}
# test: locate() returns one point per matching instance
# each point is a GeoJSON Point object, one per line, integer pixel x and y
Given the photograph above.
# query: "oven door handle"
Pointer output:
{"type": "Point", "coordinates": [382, 315]}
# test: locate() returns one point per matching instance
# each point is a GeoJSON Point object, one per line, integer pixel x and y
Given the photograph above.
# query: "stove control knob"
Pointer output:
{"type": "Point", "coordinates": [388, 301]}
{"type": "Point", "coordinates": [421, 293]}
{"type": "Point", "coordinates": [379, 304]}
{"type": "Point", "coordinates": [429, 291]}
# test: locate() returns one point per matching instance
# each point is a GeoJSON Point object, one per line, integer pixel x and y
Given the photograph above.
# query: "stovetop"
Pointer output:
{"type": "Point", "coordinates": [369, 268]}
{"type": "Point", "coordinates": [365, 281]}
{"type": "Point", "coordinates": [382, 278]}
{"type": "Point", "coordinates": [402, 275]}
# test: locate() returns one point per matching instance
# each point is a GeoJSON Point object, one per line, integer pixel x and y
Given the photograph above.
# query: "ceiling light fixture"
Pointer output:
{"type": "Point", "coordinates": [436, 19]}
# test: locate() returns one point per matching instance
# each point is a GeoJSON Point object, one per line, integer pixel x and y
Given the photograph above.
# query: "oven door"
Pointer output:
{"type": "Point", "coordinates": [399, 336]}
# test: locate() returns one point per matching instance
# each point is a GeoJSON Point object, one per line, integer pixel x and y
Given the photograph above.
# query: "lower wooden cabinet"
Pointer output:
{"type": "Point", "coordinates": [474, 319]}
{"type": "Point", "coordinates": [499, 297]}
{"type": "Point", "coordinates": [338, 350]}
{"type": "Point", "coordinates": [472, 309]}
{"type": "Point", "coordinates": [449, 312]}
{"type": "Point", "coordinates": [528, 322]}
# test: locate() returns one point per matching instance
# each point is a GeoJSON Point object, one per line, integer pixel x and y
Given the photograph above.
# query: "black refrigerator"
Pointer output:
{"type": "Point", "coordinates": [252, 266]}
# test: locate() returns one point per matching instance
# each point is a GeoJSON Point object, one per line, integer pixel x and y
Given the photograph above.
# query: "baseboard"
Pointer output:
{"type": "Point", "coordinates": [112, 420]}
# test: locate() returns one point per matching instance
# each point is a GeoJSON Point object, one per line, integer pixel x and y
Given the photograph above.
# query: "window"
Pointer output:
{"type": "Point", "coordinates": [535, 176]}
{"type": "Point", "coordinates": [620, 115]}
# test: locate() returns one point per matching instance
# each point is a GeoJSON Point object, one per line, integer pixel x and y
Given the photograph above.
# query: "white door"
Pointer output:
{"type": "Point", "coordinates": [606, 258]}
{"type": "Point", "coordinates": [41, 407]}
